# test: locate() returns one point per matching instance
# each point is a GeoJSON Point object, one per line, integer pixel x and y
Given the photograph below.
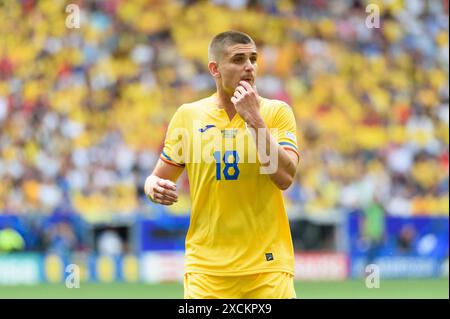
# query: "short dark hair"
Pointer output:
{"type": "Point", "coordinates": [224, 39]}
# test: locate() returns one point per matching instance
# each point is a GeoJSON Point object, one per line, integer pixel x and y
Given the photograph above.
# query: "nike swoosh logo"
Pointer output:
{"type": "Point", "coordinates": [207, 127]}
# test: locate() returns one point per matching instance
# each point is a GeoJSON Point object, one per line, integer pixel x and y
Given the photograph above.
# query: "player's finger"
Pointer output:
{"type": "Point", "coordinates": [164, 202]}
{"type": "Point", "coordinates": [167, 184]}
{"type": "Point", "coordinates": [234, 100]}
{"type": "Point", "coordinates": [161, 198]}
{"type": "Point", "coordinates": [247, 86]}
{"type": "Point", "coordinates": [165, 192]}
{"type": "Point", "coordinates": [237, 95]}
{"type": "Point", "coordinates": [165, 197]}
{"type": "Point", "coordinates": [170, 197]}
{"type": "Point", "coordinates": [240, 89]}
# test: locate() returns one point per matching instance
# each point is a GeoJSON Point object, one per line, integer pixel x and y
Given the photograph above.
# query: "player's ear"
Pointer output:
{"type": "Point", "coordinates": [214, 69]}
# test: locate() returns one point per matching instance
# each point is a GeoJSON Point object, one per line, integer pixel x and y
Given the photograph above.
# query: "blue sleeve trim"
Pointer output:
{"type": "Point", "coordinates": [289, 144]}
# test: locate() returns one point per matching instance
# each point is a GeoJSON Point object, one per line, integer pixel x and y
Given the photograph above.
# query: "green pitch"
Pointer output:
{"type": "Point", "coordinates": [417, 288]}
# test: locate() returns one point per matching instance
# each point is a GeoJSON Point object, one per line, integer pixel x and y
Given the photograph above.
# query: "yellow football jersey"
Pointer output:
{"type": "Point", "coordinates": [238, 222]}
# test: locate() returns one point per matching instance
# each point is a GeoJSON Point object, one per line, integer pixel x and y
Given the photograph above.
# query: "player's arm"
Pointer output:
{"type": "Point", "coordinates": [286, 162]}
{"type": "Point", "coordinates": [246, 102]}
{"type": "Point", "coordinates": [160, 187]}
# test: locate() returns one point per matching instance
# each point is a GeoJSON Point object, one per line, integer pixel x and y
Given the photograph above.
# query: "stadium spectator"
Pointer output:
{"type": "Point", "coordinates": [110, 243]}
{"type": "Point", "coordinates": [373, 230]}
{"type": "Point", "coordinates": [11, 240]}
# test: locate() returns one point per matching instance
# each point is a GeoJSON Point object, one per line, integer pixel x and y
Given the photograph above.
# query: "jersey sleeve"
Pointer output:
{"type": "Point", "coordinates": [286, 125]}
{"type": "Point", "coordinates": [175, 143]}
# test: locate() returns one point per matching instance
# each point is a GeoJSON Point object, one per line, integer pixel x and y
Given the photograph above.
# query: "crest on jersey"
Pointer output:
{"type": "Point", "coordinates": [229, 133]}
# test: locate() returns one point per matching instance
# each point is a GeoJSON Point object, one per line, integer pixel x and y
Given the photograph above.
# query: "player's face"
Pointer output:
{"type": "Point", "coordinates": [237, 64]}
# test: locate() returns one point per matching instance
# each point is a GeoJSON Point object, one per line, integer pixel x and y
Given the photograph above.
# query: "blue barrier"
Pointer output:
{"type": "Point", "coordinates": [407, 246]}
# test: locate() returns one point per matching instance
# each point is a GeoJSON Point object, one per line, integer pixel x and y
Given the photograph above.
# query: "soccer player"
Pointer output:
{"type": "Point", "coordinates": [239, 243]}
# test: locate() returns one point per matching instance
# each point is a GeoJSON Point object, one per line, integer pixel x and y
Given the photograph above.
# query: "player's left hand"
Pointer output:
{"type": "Point", "coordinates": [245, 100]}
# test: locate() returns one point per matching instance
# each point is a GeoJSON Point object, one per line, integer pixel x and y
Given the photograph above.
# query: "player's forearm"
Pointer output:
{"type": "Point", "coordinates": [285, 167]}
{"type": "Point", "coordinates": [160, 186]}
{"type": "Point", "coordinates": [166, 171]}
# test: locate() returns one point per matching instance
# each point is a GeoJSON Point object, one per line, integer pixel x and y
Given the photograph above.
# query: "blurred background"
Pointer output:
{"type": "Point", "coordinates": [83, 114]}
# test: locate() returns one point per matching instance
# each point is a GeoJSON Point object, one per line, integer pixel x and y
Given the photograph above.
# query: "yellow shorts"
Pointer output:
{"type": "Point", "coordinates": [270, 285]}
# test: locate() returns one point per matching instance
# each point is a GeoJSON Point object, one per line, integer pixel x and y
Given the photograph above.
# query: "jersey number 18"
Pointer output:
{"type": "Point", "coordinates": [226, 170]}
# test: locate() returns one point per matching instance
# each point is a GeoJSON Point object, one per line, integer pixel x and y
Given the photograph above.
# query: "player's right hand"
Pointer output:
{"type": "Point", "coordinates": [161, 191]}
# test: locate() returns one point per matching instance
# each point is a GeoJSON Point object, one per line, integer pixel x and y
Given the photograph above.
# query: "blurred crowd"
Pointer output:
{"type": "Point", "coordinates": [83, 111]}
